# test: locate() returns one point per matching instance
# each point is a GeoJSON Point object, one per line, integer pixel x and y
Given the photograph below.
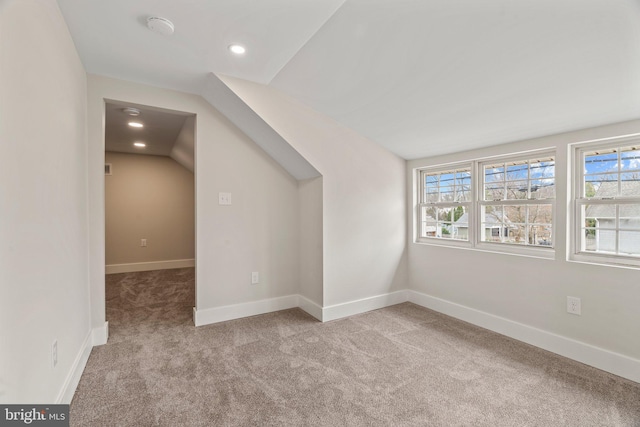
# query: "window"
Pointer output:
{"type": "Point", "coordinates": [499, 204]}
{"type": "Point", "coordinates": [607, 201]}
{"type": "Point", "coordinates": [517, 203]}
{"type": "Point", "coordinates": [444, 203]}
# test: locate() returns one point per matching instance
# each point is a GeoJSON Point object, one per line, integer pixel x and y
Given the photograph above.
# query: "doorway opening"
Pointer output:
{"type": "Point", "coordinates": [149, 216]}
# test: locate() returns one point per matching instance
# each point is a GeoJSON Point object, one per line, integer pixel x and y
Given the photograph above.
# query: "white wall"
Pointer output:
{"type": "Point", "coordinates": [533, 291]}
{"type": "Point", "coordinates": [184, 147]}
{"type": "Point", "coordinates": [43, 203]}
{"type": "Point", "coordinates": [311, 245]}
{"type": "Point", "coordinates": [258, 232]}
{"type": "Point", "coordinates": [364, 224]}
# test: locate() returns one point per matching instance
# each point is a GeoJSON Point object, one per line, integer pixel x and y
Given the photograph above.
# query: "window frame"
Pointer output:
{"type": "Point", "coordinates": [441, 169]}
{"type": "Point", "coordinates": [579, 200]}
{"type": "Point", "coordinates": [475, 205]}
{"type": "Point", "coordinates": [481, 203]}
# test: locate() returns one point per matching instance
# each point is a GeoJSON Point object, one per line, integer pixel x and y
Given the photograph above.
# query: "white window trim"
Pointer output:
{"type": "Point", "coordinates": [477, 188]}
{"type": "Point", "coordinates": [576, 202]}
{"type": "Point", "coordinates": [418, 222]}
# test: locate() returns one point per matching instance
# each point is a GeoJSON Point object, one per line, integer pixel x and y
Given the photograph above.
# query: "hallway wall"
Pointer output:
{"type": "Point", "coordinates": [151, 198]}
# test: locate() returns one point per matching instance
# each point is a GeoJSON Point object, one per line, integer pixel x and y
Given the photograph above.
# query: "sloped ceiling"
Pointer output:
{"type": "Point", "coordinates": [418, 77]}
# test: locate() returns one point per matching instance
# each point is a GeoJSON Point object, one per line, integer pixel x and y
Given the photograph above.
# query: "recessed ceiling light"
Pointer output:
{"type": "Point", "coordinates": [160, 25]}
{"type": "Point", "coordinates": [140, 144]}
{"type": "Point", "coordinates": [135, 124]}
{"type": "Point", "coordinates": [134, 112]}
{"type": "Point", "coordinates": [237, 49]}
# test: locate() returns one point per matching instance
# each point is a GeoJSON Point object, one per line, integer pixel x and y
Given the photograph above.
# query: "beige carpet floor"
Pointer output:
{"type": "Point", "coordinates": [399, 366]}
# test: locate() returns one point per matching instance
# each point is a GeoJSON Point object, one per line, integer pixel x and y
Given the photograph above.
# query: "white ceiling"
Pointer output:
{"type": "Point", "coordinates": [418, 77]}
{"type": "Point", "coordinates": [160, 131]}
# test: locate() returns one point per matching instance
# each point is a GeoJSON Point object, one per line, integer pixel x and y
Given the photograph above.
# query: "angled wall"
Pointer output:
{"type": "Point", "coordinates": [259, 231]}
{"type": "Point", "coordinates": [364, 221]}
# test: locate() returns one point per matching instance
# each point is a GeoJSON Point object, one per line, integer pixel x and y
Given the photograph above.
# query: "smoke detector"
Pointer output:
{"type": "Point", "coordinates": [160, 25]}
{"type": "Point", "coordinates": [134, 112]}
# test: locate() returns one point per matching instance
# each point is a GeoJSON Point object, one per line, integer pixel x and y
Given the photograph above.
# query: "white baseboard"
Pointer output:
{"type": "Point", "coordinates": [237, 311]}
{"type": "Point", "coordinates": [323, 314]}
{"type": "Point", "coordinates": [310, 307]}
{"type": "Point", "coordinates": [73, 378]}
{"type": "Point", "coordinates": [100, 335]}
{"type": "Point", "coordinates": [363, 305]}
{"type": "Point", "coordinates": [600, 358]}
{"type": "Point", "coordinates": [149, 266]}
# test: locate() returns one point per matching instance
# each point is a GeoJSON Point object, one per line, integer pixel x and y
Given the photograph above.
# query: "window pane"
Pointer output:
{"type": "Point", "coordinates": [630, 217]}
{"type": "Point", "coordinates": [629, 243]}
{"type": "Point", "coordinates": [463, 186]}
{"type": "Point", "coordinates": [542, 169]}
{"type": "Point", "coordinates": [597, 240]}
{"type": "Point", "coordinates": [630, 159]}
{"type": "Point", "coordinates": [431, 188]}
{"type": "Point", "coordinates": [517, 171]}
{"type": "Point", "coordinates": [540, 214]}
{"type": "Point", "coordinates": [601, 161]}
{"type": "Point", "coordinates": [447, 186]}
{"type": "Point", "coordinates": [630, 185]}
{"type": "Point", "coordinates": [494, 191]}
{"type": "Point", "coordinates": [428, 219]}
{"type": "Point", "coordinates": [517, 190]}
{"type": "Point", "coordinates": [601, 185]}
{"type": "Point", "coordinates": [517, 213]}
{"type": "Point", "coordinates": [599, 216]}
{"type": "Point", "coordinates": [516, 234]}
{"type": "Point", "coordinates": [447, 182]}
{"type": "Point", "coordinates": [444, 230]}
{"type": "Point", "coordinates": [450, 222]}
{"type": "Point", "coordinates": [543, 189]}
{"type": "Point", "coordinates": [540, 235]}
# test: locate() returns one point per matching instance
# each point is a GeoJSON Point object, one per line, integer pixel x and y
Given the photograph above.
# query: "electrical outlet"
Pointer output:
{"type": "Point", "coordinates": [255, 278]}
{"type": "Point", "coordinates": [574, 305]}
{"type": "Point", "coordinates": [143, 243]}
{"type": "Point", "coordinates": [54, 353]}
{"type": "Point", "coordinates": [224, 198]}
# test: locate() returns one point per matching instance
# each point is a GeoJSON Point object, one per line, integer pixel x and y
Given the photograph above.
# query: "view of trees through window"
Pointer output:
{"type": "Point", "coordinates": [517, 204]}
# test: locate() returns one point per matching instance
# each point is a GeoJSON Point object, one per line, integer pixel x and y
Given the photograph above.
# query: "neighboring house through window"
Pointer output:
{"type": "Point", "coordinates": [607, 202]}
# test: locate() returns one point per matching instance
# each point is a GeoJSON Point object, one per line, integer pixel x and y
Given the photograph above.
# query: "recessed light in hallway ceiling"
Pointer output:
{"type": "Point", "coordinates": [237, 49]}
{"type": "Point", "coordinates": [136, 124]}
{"type": "Point", "coordinates": [140, 144]}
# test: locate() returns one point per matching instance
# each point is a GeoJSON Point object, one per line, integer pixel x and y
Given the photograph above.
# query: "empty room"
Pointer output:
{"type": "Point", "coordinates": [320, 213]}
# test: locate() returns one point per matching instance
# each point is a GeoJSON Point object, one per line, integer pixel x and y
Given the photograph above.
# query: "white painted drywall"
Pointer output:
{"type": "Point", "coordinates": [533, 291]}
{"type": "Point", "coordinates": [151, 198]}
{"type": "Point", "coordinates": [310, 213]}
{"type": "Point", "coordinates": [258, 232]}
{"type": "Point", "coordinates": [364, 224]}
{"type": "Point", "coordinates": [183, 150]}
{"type": "Point", "coordinates": [44, 294]}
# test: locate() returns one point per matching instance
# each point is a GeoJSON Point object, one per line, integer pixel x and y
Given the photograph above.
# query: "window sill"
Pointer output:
{"type": "Point", "coordinates": [497, 248]}
{"type": "Point", "coordinates": [605, 260]}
